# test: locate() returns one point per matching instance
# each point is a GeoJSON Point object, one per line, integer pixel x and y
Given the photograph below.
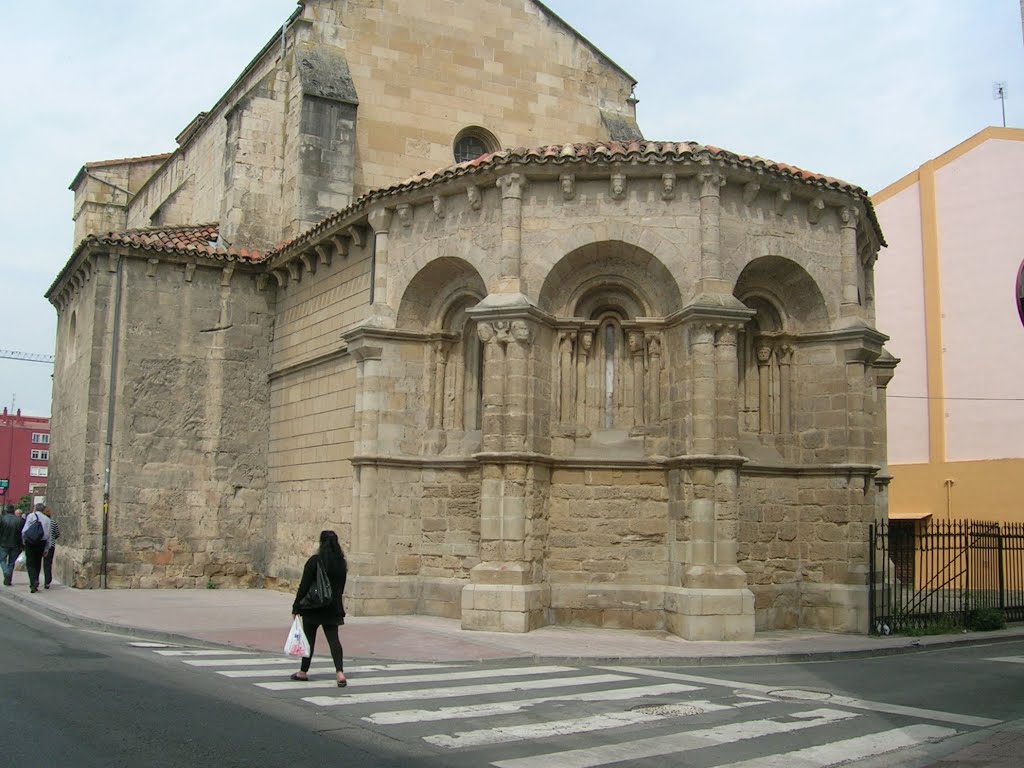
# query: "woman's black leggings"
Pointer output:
{"type": "Point", "coordinates": [309, 626]}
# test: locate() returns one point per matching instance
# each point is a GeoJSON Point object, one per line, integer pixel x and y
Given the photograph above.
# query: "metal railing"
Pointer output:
{"type": "Point", "coordinates": [929, 572]}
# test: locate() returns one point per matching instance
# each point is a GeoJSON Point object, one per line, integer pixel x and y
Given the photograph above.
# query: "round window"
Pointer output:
{"type": "Point", "coordinates": [473, 142]}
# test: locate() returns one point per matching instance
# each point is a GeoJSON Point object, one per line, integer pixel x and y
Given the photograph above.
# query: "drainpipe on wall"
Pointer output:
{"type": "Point", "coordinates": [111, 396]}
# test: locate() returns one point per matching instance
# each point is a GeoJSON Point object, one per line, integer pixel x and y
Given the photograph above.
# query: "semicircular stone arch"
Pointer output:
{"type": "Point", "coordinates": [631, 274]}
{"type": "Point", "coordinates": [433, 291]}
{"type": "Point", "coordinates": [789, 288]}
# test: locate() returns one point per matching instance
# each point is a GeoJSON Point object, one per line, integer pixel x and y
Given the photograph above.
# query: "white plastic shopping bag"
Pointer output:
{"type": "Point", "coordinates": [19, 563]}
{"type": "Point", "coordinates": [297, 644]}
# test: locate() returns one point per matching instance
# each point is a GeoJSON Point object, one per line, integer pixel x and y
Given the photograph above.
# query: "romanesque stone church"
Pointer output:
{"type": "Point", "coordinates": [423, 281]}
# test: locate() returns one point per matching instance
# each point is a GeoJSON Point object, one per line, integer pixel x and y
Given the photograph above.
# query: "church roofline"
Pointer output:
{"type": "Point", "coordinates": [569, 155]}
{"type": "Point", "coordinates": [601, 54]}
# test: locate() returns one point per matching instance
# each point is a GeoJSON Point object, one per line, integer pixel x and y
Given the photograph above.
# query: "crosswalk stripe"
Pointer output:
{"type": "Point", "coordinates": [328, 667]}
{"type": "Point", "coordinates": [247, 662]}
{"type": "Point", "coordinates": [399, 679]}
{"type": "Point", "coordinates": [464, 690]}
{"type": "Point", "coordinates": [677, 742]}
{"type": "Point", "coordinates": [802, 695]}
{"type": "Point", "coordinates": [511, 707]}
{"type": "Point", "coordinates": [197, 652]}
{"type": "Point", "coordinates": [504, 734]}
{"type": "Point", "coordinates": [1008, 659]}
{"type": "Point", "coordinates": [847, 750]}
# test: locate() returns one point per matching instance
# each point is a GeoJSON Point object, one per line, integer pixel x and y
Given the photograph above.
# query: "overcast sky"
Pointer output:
{"type": "Point", "coordinates": [864, 90]}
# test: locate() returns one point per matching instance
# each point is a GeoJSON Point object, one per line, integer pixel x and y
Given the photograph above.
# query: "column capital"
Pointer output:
{"type": "Point", "coordinates": [511, 186]}
{"type": "Point", "coordinates": [380, 220]}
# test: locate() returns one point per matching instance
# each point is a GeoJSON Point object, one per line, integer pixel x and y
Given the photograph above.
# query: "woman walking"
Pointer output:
{"type": "Point", "coordinates": [331, 559]}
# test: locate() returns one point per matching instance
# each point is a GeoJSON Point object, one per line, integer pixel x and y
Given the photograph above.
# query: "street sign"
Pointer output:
{"type": "Point", "coordinates": [4, 482]}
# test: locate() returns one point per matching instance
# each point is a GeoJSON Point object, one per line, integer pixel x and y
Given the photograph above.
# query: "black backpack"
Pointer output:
{"type": "Point", "coordinates": [34, 536]}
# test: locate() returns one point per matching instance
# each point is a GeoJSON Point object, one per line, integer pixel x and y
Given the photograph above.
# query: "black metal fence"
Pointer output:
{"type": "Point", "coordinates": [925, 572]}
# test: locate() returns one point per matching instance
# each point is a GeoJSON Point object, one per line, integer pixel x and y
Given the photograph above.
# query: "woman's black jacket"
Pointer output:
{"type": "Point", "coordinates": [333, 613]}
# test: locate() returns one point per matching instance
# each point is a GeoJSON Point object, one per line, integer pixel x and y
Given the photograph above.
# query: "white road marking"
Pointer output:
{"type": "Point", "coordinates": [848, 750]}
{"type": "Point", "coordinates": [487, 674]}
{"type": "Point", "coordinates": [677, 742]}
{"type": "Point", "coordinates": [325, 668]}
{"type": "Point", "coordinates": [504, 734]}
{"type": "Point", "coordinates": [833, 699]}
{"type": "Point", "coordinates": [511, 707]}
{"type": "Point", "coordinates": [195, 652]}
{"type": "Point", "coordinates": [252, 661]}
{"type": "Point", "coordinates": [141, 644]}
{"type": "Point", "coordinates": [464, 690]}
{"type": "Point", "coordinates": [1008, 659]}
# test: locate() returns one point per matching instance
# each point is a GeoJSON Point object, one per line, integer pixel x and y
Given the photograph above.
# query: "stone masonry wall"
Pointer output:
{"type": "Point", "coordinates": [803, 544]}
{"type": "Point", "coordinates": [77, 425]}
{"type": "Point", "coordinates": [190, 434]}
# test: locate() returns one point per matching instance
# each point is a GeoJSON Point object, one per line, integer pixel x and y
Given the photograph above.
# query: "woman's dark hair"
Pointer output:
{"type": "Point", "coordinates": [330, 552]}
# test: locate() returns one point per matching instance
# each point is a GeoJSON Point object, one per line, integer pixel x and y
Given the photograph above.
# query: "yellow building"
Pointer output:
{"type": "Point", "coordinates": [949, 295]}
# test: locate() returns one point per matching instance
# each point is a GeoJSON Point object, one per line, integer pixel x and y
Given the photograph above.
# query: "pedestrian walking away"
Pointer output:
{"type": "Point", "coordinates": [318, 602]}
{"type": "Point", "coordinates": [35, 537]}
{"type": "Point", "coordinates": [48, 557]}
{"type": "Point", "coordinates": [10, 541]}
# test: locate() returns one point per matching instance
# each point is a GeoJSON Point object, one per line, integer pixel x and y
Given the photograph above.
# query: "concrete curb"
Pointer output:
{"type": "Point", "coordinates": [914, 645]}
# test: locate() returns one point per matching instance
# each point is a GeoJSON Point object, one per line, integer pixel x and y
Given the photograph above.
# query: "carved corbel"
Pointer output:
{"type": "Point", "coordinates": [323, 255]}
{"type": "Point", "coordinates": [750, 190]}
{"type": "Point", "coordinates": [190, 268]}
{"type": "Point", "coordinates": [307, 261]}
{"type": "Point", "coordinates": [405, 214]}
{"type": "Point", "coordinates": [357, 235]}
{"type": "Point", "coordinates": [814, 209]}
{"type": "Point", "coordinates": [340, 246]}
{"type": "Point", "coordinates": [151, 265]}
{"type": "Point", "coordinates": [618, 186]}
{"type": "Point", "coordinates": [294, 271]}
{"type": "Point", "coordinates": [438, 206]}
{"type": "Point", "coordinates": [473, 197]}
{"type": "Point", "coordinates": [262, 281]}
{"type": "Point", "coordinates": [849, 217]}
{"type": "Point", "coordinates": [782, 198]}
{"type": "Point", "coordinates": [112, 259]}
{"type": "Point", "coordinates": [281, 275]}
{"type": "Point", "coordinates": [668, 186]}
{"type": "Point", "coordinates": [225, 275]}
{"type": "Point", "coordinates": [568, 182]}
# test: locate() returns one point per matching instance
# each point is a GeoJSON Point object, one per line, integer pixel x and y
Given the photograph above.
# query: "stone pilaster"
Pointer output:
{"type": "Point", "coordinates": [511, 186]}
{"type": "Point", "coordinates": [851, 299]}
{"type": "Point", "coordinates": [383, 304]}
{"type": "Point", "coordinates": [711, 183]}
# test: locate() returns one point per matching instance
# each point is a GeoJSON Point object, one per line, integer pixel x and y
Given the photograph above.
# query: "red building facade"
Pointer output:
{"type": "Point", "coordinates": [24, 456]}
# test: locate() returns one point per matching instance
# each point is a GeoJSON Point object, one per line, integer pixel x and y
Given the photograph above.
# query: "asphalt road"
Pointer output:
{"type": "Point", "coordinates": [84, 698]}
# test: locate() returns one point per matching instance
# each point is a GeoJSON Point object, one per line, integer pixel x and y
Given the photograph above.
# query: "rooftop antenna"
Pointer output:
{"type": "Point", "coordinates": [999, 94]}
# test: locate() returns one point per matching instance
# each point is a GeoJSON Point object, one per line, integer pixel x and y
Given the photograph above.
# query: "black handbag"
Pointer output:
{"type": "Point", "coordinates": [319, 595]}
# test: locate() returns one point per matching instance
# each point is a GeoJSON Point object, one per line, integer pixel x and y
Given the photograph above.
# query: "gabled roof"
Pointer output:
{"type": "Point", "coordinates": [112, 163]}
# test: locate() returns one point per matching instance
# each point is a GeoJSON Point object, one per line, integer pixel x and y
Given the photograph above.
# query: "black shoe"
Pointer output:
{"type": "Point", "coordinates": [33, 589]}
{"type": "Point", "coordinates": [7, 582]}
{"type": "Point", "coordinates": [46, 586]}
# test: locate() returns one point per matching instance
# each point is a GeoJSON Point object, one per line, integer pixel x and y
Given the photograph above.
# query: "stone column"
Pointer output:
{"type": "Point", "coordinates": [848, 219]}
{"type": "Point", "coordinates": [492, 420]}
{"type": "Point", "coordinates": [702, 356]}
{"type": "Point", "coordinates": [710, 231]}
{"type": "Point", "coordinates": [585, 341]}
{"type": "Point", "coordinates": [764, 385]}
{"type": "Point", "coordinates": [727, 390]}
{"type": "Point", "coordinates": [654, 355]}
{"type": "Point", "coordinates": [383, 305]}
{"type": "Point", "coordinates": [364, 481]}
{"type": "Point", "coordinates": [440, 363]}
{"type": "Point", "coordinates": [517, 375]}
{"type": "Point", "coordinates": [511, 186]}
{"type": "Point", "coordinates": [636, 353]}
{"type": "Point", "coordinates": [565, 377]}
{"type": "Point", "coordinates": [785, 354]}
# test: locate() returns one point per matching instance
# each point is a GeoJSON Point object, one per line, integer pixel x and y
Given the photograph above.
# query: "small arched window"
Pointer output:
{"type": "Point", "coordinates": [472, 142]}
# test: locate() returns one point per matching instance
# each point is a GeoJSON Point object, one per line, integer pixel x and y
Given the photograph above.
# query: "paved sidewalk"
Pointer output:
{"type": "Point", "coordinates": [259, 620]}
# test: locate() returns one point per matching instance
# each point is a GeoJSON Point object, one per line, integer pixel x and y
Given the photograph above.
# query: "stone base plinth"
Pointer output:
{"type": "Point", "coordinates": [402, 595]}
{"type": "Point", "coordinates": [710, 614]}
{"type": "Point", "coordinates": [505, 607]}
{"type": "Point", "coordinates": [834, 607]}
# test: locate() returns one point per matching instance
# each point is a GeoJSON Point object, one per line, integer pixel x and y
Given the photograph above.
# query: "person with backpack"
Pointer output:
{"type": "Point", "coordinates": [10, 541]}
{"type": "Point", "coordinates": [36, 538]}
{"type": "Point", "coordinates": [318, 601]}
{"type": "Point", "coordinates": [48, 557]}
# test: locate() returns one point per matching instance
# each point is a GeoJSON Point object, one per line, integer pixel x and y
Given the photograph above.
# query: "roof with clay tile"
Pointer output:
{"type": "Point", "coordinates": [198, 240]}
{"type": "Point", "coordinates": [590, 154]}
